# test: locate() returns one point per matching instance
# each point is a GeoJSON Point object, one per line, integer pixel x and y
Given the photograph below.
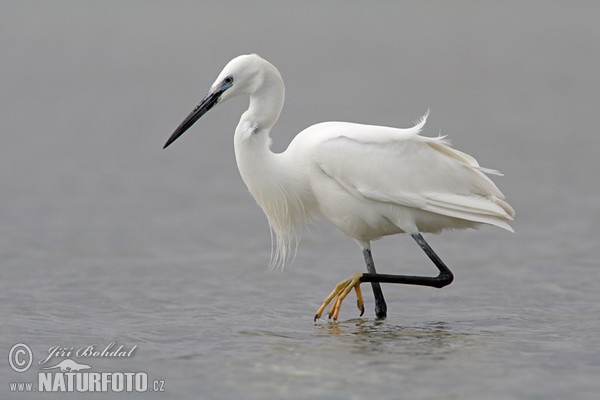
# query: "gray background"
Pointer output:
{"type": "Point", "coordinates": [105, 237]}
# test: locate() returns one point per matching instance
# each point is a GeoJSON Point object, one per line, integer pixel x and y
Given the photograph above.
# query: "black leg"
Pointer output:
{"type": "Point", "coordinates": [380, 306]}
{"type": "Point", "coordinates": [444, 278]}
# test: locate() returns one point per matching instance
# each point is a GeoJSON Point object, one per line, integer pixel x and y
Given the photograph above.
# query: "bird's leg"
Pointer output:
{"type": "Point", "coordinates": [445, 277]}
{"type": "Point", "coordinates": [380, 306]}
{"type": "Point", "coordinates": [342, 289]}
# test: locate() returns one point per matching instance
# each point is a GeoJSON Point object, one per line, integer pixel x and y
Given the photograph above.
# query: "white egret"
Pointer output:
{"type": "Point", "coordinates": [368, 181]}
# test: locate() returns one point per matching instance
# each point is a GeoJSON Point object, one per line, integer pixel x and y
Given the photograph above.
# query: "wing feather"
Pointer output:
{"type": "Point", "coordinates": [399, 166]}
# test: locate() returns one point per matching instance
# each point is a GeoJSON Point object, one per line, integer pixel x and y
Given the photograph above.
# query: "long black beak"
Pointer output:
{"type": "Point", "coordinates": [206, 104]}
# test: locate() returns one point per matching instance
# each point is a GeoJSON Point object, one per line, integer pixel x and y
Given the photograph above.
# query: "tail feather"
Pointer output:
{"type": "Point", "coordinates": [486, 210]}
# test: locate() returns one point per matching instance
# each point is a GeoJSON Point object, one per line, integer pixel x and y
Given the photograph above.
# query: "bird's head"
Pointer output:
{"type": "Point", "coordinates": [243, 75]}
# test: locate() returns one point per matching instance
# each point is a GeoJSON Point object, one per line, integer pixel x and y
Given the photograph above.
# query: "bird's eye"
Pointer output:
{"type": "Point", "coordinates": [228, 80]}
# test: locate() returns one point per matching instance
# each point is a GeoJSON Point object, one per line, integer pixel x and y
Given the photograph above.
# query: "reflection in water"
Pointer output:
{"type": "Point", "coordinates": [434, 338]}
{"type": "Point", "coordinates": [366, 353]}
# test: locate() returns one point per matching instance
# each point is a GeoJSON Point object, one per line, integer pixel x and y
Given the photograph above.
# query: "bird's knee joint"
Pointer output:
{"type": "Point", "coordinates": [444, 279]}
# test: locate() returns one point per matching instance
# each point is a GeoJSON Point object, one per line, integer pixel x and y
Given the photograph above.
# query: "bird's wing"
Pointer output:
{"type": "Point", "coordinates": [399, 166]}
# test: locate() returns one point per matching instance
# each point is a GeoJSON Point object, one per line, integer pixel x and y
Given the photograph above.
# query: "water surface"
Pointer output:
{"type": "Point", "coordinates": [107, 238]}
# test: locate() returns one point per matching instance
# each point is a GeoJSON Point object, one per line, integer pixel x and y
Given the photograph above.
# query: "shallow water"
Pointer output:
{"type": "Point", "coordinates": [107, 238]}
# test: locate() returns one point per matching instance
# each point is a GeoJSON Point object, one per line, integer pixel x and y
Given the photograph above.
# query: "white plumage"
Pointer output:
{"type": "Point", "coordinates": [368, 181]}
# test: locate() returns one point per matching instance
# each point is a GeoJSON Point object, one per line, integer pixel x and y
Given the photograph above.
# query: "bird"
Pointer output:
{"type": "Point", "coordinates": [368, 181]}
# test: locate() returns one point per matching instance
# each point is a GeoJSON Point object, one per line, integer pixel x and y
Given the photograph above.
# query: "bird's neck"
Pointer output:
{"type": "Point", "coordinates": [272, 179]}
{"type": "Point", "coordinates": [252, 145]}
{"type": "Point", "coordinates": [252, 141]}
{"type": "Point", "coordinates": [265, 106]}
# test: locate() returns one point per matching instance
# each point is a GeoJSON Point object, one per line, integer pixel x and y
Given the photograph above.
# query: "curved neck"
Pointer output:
{"type": "Point", "coordinates": [271, 178]}
{"type": "Point", "coordinates": [265, 106]}
{"type": "Point", "coordinates": [266, 103]}
{"type": "Point", "coordinates": [252, 141]}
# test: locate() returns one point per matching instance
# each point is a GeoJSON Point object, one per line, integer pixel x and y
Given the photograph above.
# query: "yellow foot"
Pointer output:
{"type": "Point", "coordinates": [340, 292]}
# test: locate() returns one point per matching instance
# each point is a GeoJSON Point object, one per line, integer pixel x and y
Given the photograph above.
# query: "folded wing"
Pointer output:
{"type": "Point", "coordinates": [399, 166]}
